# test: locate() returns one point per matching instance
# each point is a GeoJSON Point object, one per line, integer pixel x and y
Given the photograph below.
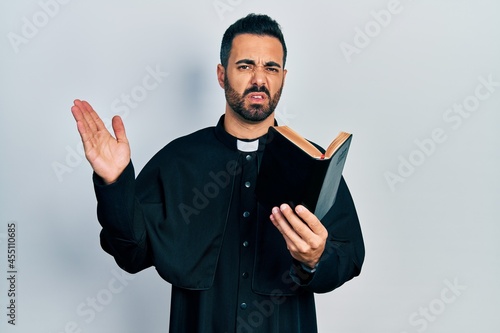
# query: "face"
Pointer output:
{"type": "Point", "coordinates": [254, 77]}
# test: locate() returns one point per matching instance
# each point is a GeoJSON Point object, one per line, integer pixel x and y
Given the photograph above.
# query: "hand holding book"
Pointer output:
{"type": "Point", "coordinates": [304, 234]}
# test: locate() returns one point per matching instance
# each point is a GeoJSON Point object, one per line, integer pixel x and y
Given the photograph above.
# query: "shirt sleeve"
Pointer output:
{"type": "Point", "coordinates": [123, 232]}
{"type": "Point", "coordinates": [344, 252]}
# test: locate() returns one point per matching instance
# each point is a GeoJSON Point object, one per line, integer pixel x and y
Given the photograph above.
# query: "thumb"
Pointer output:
{"type": "Point", "coordinates": [119, 129]}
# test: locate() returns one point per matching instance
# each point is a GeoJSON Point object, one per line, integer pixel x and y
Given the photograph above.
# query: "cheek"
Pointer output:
{"type": "Point", "coordinates": [276, 86]}
{"type": "Point", "coordinates": [240, 82]}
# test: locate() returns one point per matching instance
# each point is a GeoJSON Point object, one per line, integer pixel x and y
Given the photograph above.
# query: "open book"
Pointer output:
{"type": "Point", "coordinates": [294, 171]}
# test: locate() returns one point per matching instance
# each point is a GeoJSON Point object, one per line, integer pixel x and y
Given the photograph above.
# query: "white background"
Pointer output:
{"type": "Point", "coordinates": [432, 252]}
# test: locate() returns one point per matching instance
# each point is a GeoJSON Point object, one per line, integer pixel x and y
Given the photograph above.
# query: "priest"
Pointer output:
{"type": "Point", "coordinates": [234, 266]}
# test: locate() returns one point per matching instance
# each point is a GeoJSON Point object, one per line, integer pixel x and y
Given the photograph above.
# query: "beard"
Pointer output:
{"type": "Point", "coordinates": [254, 112]}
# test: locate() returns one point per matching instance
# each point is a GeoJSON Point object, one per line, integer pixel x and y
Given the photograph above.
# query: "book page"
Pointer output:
{"type": "Point", "coordinates": [299, 141]}
{"type": "Point", "coordinates": [336, 143]}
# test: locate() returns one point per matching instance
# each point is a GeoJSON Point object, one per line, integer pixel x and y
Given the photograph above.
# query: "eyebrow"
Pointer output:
{"type": "Point", "coordinates": [252, 62]}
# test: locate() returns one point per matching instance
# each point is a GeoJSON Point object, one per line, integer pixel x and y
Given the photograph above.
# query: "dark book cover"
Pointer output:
{"type": "Point", "coordinates": [288, 174]}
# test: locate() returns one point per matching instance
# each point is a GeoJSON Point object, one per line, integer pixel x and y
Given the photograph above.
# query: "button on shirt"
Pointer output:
{"type": "Point", "coordinates": [246, 230]}
{"type": "Point", "coordinates": [236, 262]}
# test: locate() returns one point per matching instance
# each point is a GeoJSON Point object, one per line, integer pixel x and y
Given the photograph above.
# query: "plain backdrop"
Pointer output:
{"type": "Point", "coordinates": [416, 82]}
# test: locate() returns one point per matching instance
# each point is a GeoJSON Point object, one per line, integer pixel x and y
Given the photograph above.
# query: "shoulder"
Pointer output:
{"type": "Point", "coordinates": [189, 143]}
{"type": "Point", "coordinates": [178, 152]}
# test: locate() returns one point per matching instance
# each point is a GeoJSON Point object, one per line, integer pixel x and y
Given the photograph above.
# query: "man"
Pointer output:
{"type": "Point", "coordinates": [192, 213]}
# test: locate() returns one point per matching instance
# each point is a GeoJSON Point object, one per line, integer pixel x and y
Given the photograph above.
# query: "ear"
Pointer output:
{"type": "Point", "coordinates": [220, 75]}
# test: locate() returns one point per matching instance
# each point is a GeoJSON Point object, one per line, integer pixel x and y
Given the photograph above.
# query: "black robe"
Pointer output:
{"type": "Point", "coordinates": [192, 214]}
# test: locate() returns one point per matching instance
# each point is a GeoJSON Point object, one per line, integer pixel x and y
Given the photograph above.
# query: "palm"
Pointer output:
{"type": "Point", "coordinates": [107, 155]}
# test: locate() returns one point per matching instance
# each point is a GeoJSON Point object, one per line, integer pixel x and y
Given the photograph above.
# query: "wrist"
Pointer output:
{"type": "Point", "coordinates": [308, 269]}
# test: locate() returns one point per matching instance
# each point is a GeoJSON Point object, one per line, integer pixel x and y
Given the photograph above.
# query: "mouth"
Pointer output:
{"type": "Point", "coordinates": [257, 97]}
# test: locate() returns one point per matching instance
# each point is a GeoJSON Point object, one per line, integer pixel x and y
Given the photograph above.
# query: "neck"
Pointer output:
{"type": "Point", "coordinates": [244, 129]}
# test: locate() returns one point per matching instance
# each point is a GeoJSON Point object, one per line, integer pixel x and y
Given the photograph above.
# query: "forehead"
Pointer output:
{"type": "Point", "coordinates": [255, 47]}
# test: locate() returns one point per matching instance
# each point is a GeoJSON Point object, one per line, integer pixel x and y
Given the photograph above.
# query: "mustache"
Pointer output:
{"type": "Point", "coordinates": [257, 89]}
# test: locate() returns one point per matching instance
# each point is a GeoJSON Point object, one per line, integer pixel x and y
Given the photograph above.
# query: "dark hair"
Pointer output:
{"type": "Point", "coordinates": [255, 24]}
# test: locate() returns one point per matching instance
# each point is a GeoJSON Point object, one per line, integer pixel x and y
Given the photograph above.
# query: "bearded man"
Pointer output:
{"type": "Point", "coordinates": [193, 215]}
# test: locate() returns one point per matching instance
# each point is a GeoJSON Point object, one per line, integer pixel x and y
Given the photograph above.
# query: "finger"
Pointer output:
{"type": "Point", "coordinates": [99, 124]}
{"type": "Point", "coordinates": [93, 120]}
{"type": "Point", "coordinates": [311, 238]}
{"type": "Point", "coordinates": [81, 113]}
{"type": "Point", "coordinates": [282, 224]}
{"type": "Point", "coordinates": [119, 129]}
{"type": "Point", "coordinates": [289, 243]}
{"type": "Point", "coordinates": [89, 116]}
{"type": "Point", "coordinates": [86, 124]}
{"type": "Point", "coordinates": [81, 123]}
{"type": "Point", "coordinates": [75, 110]}
{"type": "Point", "coordinates": [312, 221]}
{"type": "Point", "coordinates": [301, 228]}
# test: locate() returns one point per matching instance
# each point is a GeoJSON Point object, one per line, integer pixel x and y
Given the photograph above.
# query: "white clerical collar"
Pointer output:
{"type": "Point", "coordinates": [247, 146]}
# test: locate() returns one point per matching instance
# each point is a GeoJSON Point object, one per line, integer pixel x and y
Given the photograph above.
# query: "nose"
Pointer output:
{"type": "Point", "coordinates": [259, 76]}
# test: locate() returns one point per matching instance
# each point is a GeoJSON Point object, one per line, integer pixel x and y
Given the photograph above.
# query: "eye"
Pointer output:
{"type": "Point", "coordinates": [273, 69]}
{"type": "Point", "coordinates": [244, 67]}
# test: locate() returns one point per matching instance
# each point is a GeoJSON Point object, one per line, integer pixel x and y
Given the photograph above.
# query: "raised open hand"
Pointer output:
{"type": "Point", "coordinates": [107, 155]}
